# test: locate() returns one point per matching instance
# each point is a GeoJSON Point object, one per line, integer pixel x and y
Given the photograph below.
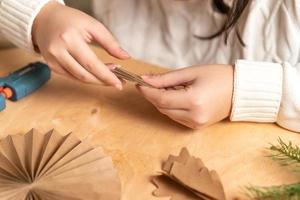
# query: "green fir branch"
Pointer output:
{"type": "Point", "coordinates": [286, 153]}
{"type": "Point", "coordinates": [282, 192]}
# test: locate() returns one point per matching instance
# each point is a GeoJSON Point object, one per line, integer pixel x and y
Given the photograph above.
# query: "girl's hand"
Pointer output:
{"type": "Point", "coordinates": [205, 98]}
{"type": "Point", "coordinates": [62, 35]}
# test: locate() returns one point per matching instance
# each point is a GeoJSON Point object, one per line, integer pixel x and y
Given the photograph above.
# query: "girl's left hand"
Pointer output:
{"type": "Point", "coordinates": [205, 98]}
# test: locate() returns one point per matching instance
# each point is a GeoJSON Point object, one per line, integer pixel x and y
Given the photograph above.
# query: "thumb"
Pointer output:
{"type": "Point", "coordinates": [105, 39]}
{"type": "Point", "coordinates": [169, 79]}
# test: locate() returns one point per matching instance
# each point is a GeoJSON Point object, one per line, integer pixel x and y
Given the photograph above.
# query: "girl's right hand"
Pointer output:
{"type": "Point", "coordinates": [62, 35]}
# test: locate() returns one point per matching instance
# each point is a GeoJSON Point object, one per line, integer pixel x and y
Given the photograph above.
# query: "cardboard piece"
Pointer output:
{"type": "Point", "coordinates": [129, 76]}
{"type": "Point", "coordinates": [51, 166]}
{"type": "Point", "coordinates": [185, 177]}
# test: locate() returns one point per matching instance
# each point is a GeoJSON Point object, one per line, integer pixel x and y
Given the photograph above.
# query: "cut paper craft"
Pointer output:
{"type": "Point", "coordinates": [129, 76]}
{"type": "Point", "coordinates": [185, 177]}
{"type": "Point", "coordinates": [50, 166]}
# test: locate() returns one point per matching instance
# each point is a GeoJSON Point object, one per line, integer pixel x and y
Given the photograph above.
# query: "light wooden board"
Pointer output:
{"type": "Point", "coordinates": [137, 136]}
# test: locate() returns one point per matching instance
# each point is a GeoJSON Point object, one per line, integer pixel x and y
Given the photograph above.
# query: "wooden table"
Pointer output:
{"type": "Point", "coordinates": [137, 136]}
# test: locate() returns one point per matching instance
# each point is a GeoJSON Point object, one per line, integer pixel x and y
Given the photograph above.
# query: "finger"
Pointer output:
{"type": "Point", "coordinates": [170, 79]}
{"type": "Point", "coordinates": [57, 68]}
{"type": "Point", "coordinates": [185, 119]}
{"type": "Point", "coordinates": [179, 116]}
{"type": "Point", "coordinates": [186, 123]}
{"type": "Point", "coordinates": [104, 38]}
{"type": "Point", "coordinates": [167, 99]}
{"type": "Point", "coordinates": [74, 68]}
{"type": "Point", "coordinates": [174, 113]}
{"type": "Point", "coordinates": [84, 55]}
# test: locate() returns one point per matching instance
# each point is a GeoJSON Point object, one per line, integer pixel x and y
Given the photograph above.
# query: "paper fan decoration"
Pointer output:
{"type": "Point", "coordinates": [50, 166]}
{"type": "Point", "coordinates": [185, 177]}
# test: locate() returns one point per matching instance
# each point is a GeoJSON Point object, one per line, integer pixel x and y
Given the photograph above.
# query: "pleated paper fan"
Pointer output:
{"type": "Point", "coordinates": [50, 166]}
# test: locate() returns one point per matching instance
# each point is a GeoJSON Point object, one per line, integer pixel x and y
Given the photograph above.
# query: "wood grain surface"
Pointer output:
{"type": "Point", "coordinates": [137, 136]}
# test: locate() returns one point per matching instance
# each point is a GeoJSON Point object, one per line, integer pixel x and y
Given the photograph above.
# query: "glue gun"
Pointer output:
{"type": "Point", "coordinates": [23, 82]}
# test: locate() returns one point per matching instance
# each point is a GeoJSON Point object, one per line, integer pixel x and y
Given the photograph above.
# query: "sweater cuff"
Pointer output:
{"type": "Point", "coordinates": [257, 91]}
{"type": "Point", "coordinates": [17, 17]}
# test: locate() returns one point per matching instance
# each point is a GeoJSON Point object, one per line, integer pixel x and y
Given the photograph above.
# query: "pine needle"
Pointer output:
{"type": "Point", "coordinates": [282, 192]}
{"type": "Point", "coordinates": [286, 153]}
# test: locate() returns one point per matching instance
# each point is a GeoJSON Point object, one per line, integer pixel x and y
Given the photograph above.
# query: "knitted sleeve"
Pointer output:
{"type": "Point", "coordinates": [16, 20]}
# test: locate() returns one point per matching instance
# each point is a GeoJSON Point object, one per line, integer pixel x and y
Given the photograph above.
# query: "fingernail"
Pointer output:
{"type": "Point", "coordinates": [119, 86]}
{"type": "Point", "coordinates": [112, 65]}
{"type": "Point", "coordinates": [125, 53]}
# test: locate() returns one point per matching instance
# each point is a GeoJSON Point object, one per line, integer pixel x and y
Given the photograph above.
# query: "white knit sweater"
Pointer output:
{"type": "Point", "coordinates": [267, 71]}
{"type": "Point", "coordinates": [16, 19]}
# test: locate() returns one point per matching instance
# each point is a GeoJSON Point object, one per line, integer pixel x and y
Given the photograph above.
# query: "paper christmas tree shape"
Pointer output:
{"type": "Point", "coordinates": [185, 177]}
{"type": "Point", "coordinates": [50, 166]}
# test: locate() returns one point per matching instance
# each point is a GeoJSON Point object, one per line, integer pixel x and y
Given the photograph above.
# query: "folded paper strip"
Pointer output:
{"type": "Point", "coordinates": [185, 177]}
{"type": "Point", "coordinates": [50, 166]}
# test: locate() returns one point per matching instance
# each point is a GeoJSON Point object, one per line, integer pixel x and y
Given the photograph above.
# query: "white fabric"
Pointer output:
{"type": "Point", "coordinates": [162, 32]}
{"type": "Point", "coordinates": [255, 97]}
{"type": "Point", "coordinates": [16, 20]}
